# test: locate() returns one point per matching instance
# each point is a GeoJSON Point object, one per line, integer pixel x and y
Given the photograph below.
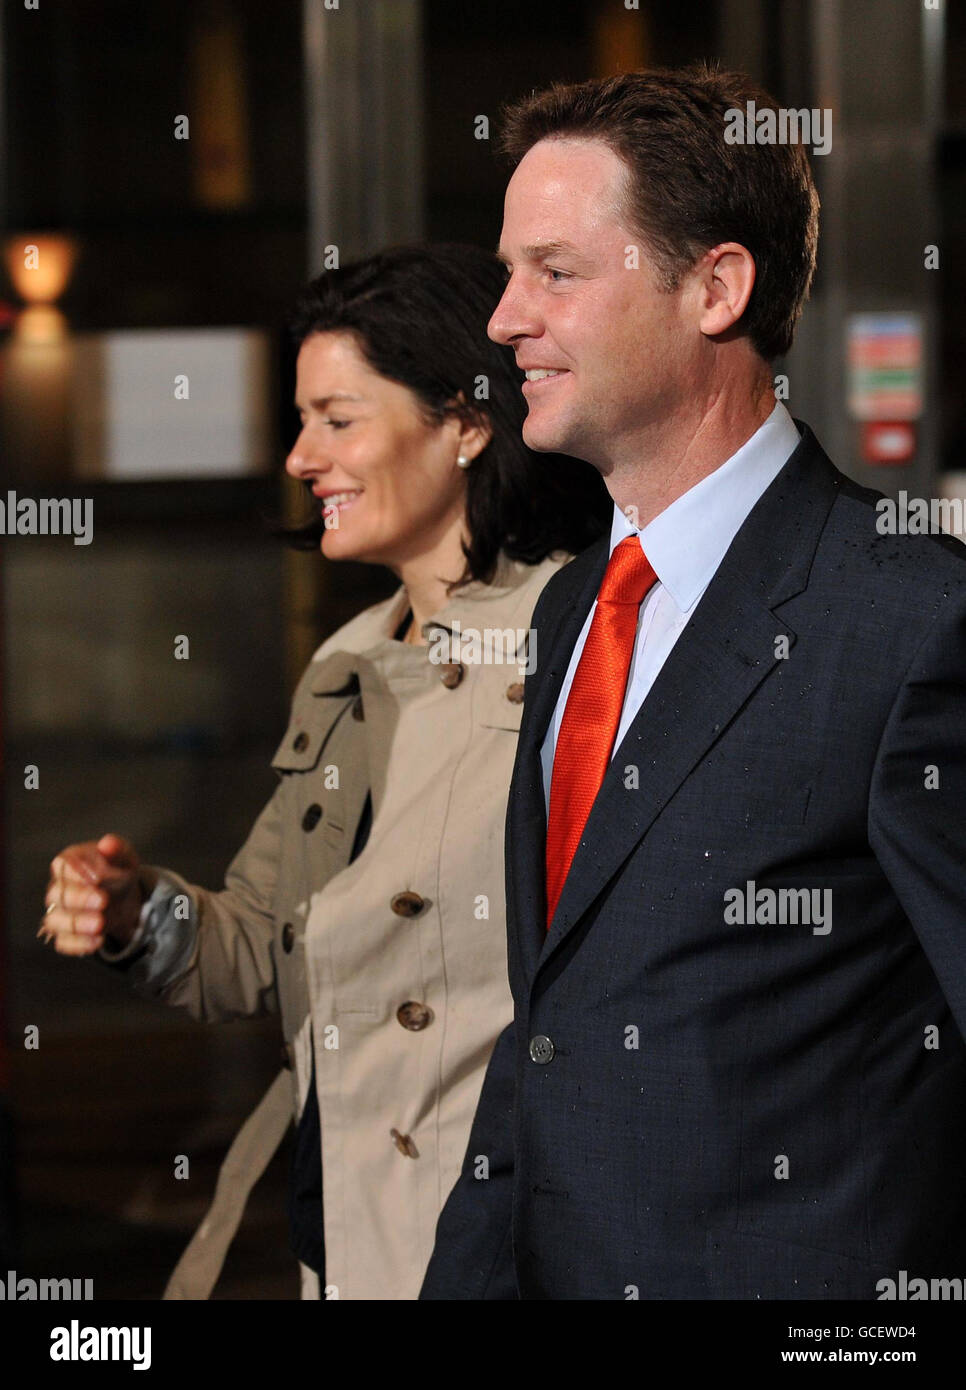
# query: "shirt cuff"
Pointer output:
{"type": "Point", "coordinates": [166, 935]}
{"type": "Point", "coordinates": [114, 957]}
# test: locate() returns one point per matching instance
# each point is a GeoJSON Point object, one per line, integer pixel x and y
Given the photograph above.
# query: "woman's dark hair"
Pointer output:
{"type": "Point", "coordinates": [418, 315]}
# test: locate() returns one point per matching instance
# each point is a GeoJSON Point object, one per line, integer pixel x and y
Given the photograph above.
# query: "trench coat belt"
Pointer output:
{"type": "Point", "coordinates": [196, 1273]}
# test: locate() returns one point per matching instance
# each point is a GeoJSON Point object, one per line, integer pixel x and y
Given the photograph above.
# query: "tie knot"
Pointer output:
{"type": "Point", "coordinates": [629, 574]}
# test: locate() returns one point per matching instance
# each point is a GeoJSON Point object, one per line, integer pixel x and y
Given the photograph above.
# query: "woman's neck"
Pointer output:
{"type": "Point", "coordinates": [425, 577]}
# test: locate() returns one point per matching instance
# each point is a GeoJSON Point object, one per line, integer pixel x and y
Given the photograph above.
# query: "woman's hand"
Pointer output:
{"type": "Point", "coordinates": [94, 893]}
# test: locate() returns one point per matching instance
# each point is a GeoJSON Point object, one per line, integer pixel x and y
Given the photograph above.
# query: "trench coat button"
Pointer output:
{"type": "Point", "coordinates": [287, 1056]}
{"type": "Point", "coordinates": [414, 1016]}
{"type": "Point", "coordinates": [451, 673]}
{"type": "Point", "coordinates": [404, 1144]}
{"type": "Point", "coordinates": [407, 904]}
{"type": "Point", "coordinates": [514, 693]}
{"type": "Point", "coordinates": [288, 937]}
{"type": "Point", "coordinates": [357, 711]}
{"type": "Point", "coordinates": [541, 1050]}
{"type": "Point", "coordinates": [312, 816]}
{"type": "Point", "coordinates": [300, 742]}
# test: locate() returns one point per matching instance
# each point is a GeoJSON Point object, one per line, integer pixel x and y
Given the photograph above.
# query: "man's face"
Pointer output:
{"type": "Point", "coordinates": [624, 351]}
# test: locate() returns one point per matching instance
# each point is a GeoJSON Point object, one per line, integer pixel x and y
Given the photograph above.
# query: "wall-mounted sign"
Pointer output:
{"type": "Point", "coordinates": [884, 356]}
{"type": "Point", "coordinates": [888, 441]}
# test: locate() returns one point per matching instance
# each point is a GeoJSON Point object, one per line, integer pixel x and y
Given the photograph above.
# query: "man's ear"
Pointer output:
{"type": "Point", "coordinates": [726, 278]}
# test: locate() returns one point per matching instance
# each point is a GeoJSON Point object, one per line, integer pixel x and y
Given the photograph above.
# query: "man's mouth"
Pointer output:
{"type": "Point", "coordinates": [538, 377]}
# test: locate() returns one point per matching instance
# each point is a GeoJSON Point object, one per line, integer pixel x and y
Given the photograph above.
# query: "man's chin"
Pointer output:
{"type": "Point", "coordinates": [543, 437]}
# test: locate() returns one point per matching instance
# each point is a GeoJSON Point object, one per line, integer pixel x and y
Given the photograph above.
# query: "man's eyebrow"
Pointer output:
{"type": "Point", "coordinates": [539, 250]}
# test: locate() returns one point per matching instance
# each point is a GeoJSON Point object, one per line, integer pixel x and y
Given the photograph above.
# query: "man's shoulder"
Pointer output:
{"type": "Point", "coordinates": [861, 535]}
{"type": "Point", "coordinates": [894, 542]}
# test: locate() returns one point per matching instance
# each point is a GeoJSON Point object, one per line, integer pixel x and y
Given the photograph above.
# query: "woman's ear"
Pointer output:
{"type": "Point", "coordinates": [474, 438]}
{"type": "Point", "coordinates": [475, 429]}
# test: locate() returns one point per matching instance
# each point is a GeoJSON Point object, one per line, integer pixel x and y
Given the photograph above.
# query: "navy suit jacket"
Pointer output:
{"type": "Point", "coordinates": [738, 1106]}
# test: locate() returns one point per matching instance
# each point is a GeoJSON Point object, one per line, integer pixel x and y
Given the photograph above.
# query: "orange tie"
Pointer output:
{"type": "Point", "coordinates": [590, 720]}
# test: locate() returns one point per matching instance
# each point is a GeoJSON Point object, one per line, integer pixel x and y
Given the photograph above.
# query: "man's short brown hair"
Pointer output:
{"type": "Point", "coordinates": [688, 190]}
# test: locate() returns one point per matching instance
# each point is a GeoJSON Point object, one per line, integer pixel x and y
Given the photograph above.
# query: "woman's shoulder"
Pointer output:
{"type": "Point", "coordinates": [523, 583]}
{"type": "Point", "coordinates": [360, 632]}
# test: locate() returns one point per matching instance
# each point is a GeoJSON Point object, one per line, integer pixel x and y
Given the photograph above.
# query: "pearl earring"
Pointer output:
{"type": "Point", "coordinates": [463, 461]}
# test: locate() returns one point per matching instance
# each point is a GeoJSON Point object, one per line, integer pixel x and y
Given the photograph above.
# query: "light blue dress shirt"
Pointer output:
{"type": "Point", "coordinates": [685, 545]}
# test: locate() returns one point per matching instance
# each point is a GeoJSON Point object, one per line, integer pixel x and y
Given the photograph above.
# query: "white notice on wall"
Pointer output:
{"type": "Point", "coordinates": [171, 403]}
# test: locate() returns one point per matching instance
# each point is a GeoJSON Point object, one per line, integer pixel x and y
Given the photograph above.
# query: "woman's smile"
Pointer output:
{"type": "Point", "coordinates": [340, 501]}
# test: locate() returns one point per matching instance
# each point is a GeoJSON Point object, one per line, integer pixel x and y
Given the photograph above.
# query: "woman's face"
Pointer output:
{"type": "Point", "coordinates": [387, 482]}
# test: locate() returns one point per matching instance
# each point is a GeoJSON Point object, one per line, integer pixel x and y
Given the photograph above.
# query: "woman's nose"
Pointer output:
{"type": "Point", "coordinates": [304, 458]}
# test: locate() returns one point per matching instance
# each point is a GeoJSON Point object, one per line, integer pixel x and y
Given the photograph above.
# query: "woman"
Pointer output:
{"type": "Point", "coordinates": [367, 905]}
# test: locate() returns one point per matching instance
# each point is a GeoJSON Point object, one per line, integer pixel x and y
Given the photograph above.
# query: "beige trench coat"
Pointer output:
{"type": "Point", "coordinates": [394, 966]}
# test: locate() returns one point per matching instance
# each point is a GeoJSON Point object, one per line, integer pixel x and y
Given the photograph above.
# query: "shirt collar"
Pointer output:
{"type": "Point", "coordinates": [688, 540]}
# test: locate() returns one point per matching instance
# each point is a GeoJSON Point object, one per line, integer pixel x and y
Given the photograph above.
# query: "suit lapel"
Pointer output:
{"type": "Point", "coordinates": [721, 657]}
{"type": "Point", "coordinates": [526, 825]}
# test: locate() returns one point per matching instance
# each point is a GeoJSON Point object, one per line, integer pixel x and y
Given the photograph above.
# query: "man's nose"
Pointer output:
{"type": "Point", "coordinates": [513, 317]}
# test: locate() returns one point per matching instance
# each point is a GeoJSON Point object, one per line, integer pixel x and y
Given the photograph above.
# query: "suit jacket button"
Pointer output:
{"type": "Point", "coordinates": [357, 711]}
{"type": "Point", "coordinates": [514, 693]}
{"type": "Point", "coordinates": [312, 816]}
{"type": "Point", "coordinates": [407, 904]}
{"type": "Point", "coordinates": [451, 673]}
{"type": "Point", "coordinates": [288, 937]}
{"type": "Point", "coordinates": [414, 1016]}
{"type": "Point", "coordinates": [287, 1056]}
{"type": "Point", "coordinates": [300, 742]}
{"type": "Point", "coordinates": [541, 1050]}
{"type": "Point", "coordinates": [404, 1144]}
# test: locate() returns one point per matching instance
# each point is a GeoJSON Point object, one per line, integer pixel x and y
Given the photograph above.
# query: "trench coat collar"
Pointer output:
{"type": "Point", "coordinates": [494, 604]}
{"type": "Point", "coordinates": [368, 638]}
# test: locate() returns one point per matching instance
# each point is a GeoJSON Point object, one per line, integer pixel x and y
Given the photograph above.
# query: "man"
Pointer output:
{"type": "Point", "coordinates": [736, 892]}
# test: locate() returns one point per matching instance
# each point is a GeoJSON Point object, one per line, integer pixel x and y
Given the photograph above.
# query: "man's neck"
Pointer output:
{"type": "Point", "coordinates": [675, 456]}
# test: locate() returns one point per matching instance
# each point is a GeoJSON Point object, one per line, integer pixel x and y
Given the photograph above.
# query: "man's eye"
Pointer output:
{"type": "Point", "coordinates": [561, 273]}
{"type": "Point", "coordinates": [338, 424]}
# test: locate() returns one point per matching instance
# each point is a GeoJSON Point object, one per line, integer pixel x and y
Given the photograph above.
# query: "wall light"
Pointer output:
{"type": "Point", "coordinates": [40, 265]}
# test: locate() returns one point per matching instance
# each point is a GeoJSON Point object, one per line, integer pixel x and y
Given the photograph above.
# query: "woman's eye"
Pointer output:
{"type": "Point", "coordinates": [338, 424]}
